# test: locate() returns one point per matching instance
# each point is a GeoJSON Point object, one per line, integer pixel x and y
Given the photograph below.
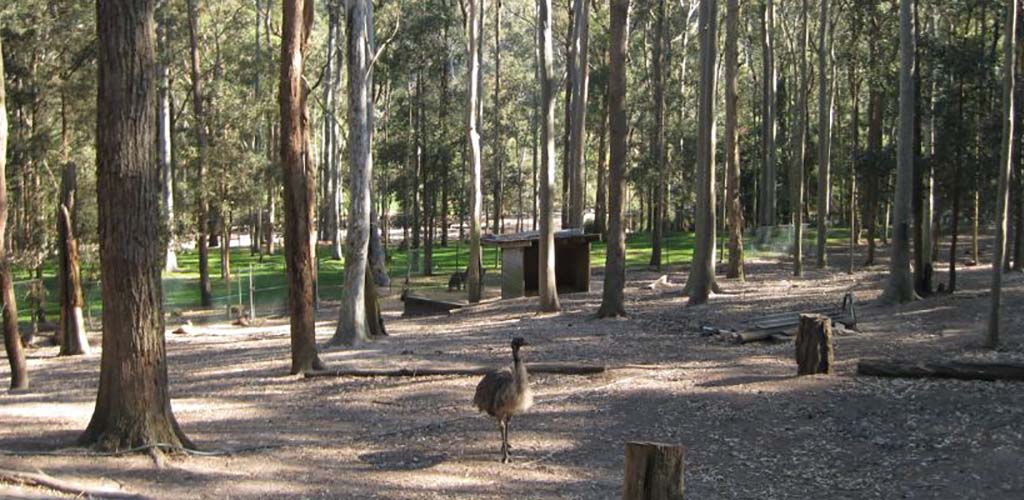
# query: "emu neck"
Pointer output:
{"type": "Point", "coordinates": [518, 366]}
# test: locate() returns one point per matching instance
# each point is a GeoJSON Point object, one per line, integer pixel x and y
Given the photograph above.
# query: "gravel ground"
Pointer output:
{"type": "Point", "coordinates": [750, 427]}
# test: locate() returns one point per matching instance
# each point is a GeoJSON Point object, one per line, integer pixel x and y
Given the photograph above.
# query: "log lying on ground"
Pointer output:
{"type": "Point", "coordinates": [46, 481]}
{"type": "Point", "coordinates": [961, 370]}
{"type": "Point", "coordinates": [429, 371]}
{"type": "Point", "coordinates": [754, 336]}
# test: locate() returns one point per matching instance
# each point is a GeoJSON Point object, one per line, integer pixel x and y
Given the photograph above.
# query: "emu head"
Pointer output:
{"type": "Point", "coordinates": [518, 342]}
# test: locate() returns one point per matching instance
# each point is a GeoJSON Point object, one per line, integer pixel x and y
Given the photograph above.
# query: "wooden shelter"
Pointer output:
{"type": "Point", "coordinates": [520, 255]}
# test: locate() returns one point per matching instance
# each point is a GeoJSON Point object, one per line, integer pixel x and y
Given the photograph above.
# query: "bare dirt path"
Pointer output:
{"type": "Point", "coordinates": [751, 428]}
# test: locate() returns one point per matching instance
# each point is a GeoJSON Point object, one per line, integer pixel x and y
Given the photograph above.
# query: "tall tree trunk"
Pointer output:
{"type": "Point", "coordinates": [824, 136]}
{"type": "Point", "coordinates": [1005, 169]}
{"type": "Point", "coordinates": [799, 143]}
{"type": "Point", "coordinates": [332, 79]}
{"type": "Point", "coordinates": [701, 281]}
{"type": "Point", "coordinates": [900, 286]}
{"type": "Point", "coordinates": [767, 209]}
{"type": "Point", "coordinates": [567, 175]}
{"type": "Point", "coordinates": [299, 185]}
{"type": "Point", "coordinates": [658, 200]}
{"type": "Point", "coordinates": [164, 145]}
{"type": "Point", "coordinates": [352, 324]}
{"type": "Point", "coordinates": [202, 205]}
{"type": "Point", "coordinates": [578, 126]}
{"type": "Point", "coordinates": [601, 198]}
{"type": "Point", "coordinates": [612, 303]}
{"type": "Point", "coordinates": [12, 337]}
{"type": "Point", "coordinates": [499, 142]}
{"type": "Point", "coordinates": [133, 406]}
{"type": "Point", "coordinates": [474, 279]}
{"type": "Point", "coordinates": [72, 324]}
{"type": "Point", "coordinates": [732, 149]}
{"type": "Point", "coordinates": [854, 154]}
{"type": "Point", "coordinates": [548, 289]}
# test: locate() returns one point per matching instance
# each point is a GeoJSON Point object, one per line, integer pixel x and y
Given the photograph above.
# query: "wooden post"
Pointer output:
{"type": "Point", "coordinates": [814, 345]}
{"type": "Point", "coordinates": [252, 298]}
{"type": "Point", "coordinates": [653, 471]}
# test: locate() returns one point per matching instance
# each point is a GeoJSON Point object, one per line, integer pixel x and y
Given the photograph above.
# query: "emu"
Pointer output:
{"type": "Point", "coordinates": [505, 393]}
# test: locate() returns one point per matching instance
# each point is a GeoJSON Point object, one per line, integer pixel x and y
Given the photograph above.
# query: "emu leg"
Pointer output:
{"type": "Point", "coordinates": [504, 441]}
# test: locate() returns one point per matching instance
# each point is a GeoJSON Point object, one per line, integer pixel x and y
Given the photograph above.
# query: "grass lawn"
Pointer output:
{"type": "Point", "coordinates": [181, 289]}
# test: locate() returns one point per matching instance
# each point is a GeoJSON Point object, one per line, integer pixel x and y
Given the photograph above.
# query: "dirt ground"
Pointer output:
{"type": "Point", "coordinates": [751, 428]}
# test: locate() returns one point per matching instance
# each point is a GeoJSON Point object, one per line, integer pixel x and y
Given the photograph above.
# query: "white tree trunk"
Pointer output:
{"type": "Point", "coordinates": [473, 277]}
{"type": "Point", "coordinates": [548, 289]}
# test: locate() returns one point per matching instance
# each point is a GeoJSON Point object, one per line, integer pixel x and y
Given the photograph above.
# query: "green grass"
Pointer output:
{"type": "Point", "coordinates": [181, 289]}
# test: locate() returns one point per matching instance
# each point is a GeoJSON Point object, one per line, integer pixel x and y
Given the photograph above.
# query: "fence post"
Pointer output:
{"type": "Point", "coordinates": [252, 299]}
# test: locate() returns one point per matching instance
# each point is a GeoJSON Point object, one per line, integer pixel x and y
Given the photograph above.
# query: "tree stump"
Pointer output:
{"type": "Point", "coordinates": [814, 345]}
{"type": "Point", "coordinates": [653, 471]}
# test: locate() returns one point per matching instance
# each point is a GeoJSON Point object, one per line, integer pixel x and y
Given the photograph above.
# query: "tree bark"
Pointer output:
{"type": "Point", "coordinates": [900, 286]}
{"type": "Point", "coordinates": [72, 324]}
{"type": "Point", "coordinates": [895, 368]}
{"type": "Point", "coordinates": [578, 130]}
{"type": "Point", "coordinates": [732, 149]}
{"type": "Point", "coordinates": [612, 303]}
{"type": "Point", "coordinates": [701, 281]}
{"type": "Point", "coordinates": [497, 139]}
{"type": "Point", "coordinates": [12, 337]}
{"type": "Point", "coordinates": [824, 136]}
{"type": "Point", "coordinates": [133, 406]}
{"type": "Point", "coordinates": [767, 208]}
{"type": "Point", "coordinates": [799, 139]}
{"type": "Point", "coordinates": [653, 471]}
{"type": "Point", "coordinates": [352, 324]}
{"type": "Point", "coordinates": [202, 206]}
{"type": "Point", "coordinates": [474, 280]}
{"type": "Point", "coordinates": [601, 198]}
{"type": "Point", "coordinates": [1005, 169]}
{"type": "Point", "coordinates": [299, 185]}
{"type": "Point", "coordinates": [164, 145]}
{"type": "Point", "coordinates": [658, 199]}
{"type": "Point", "coordinates": [814, 345]}
{"type": "Point", "coordinates": [548, 289]}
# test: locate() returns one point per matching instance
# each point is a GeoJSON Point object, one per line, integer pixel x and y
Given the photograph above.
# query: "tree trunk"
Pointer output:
{"type": "Point", "coordinates": [497, 140]}
{"type": "Point", "coordinates": [1005, 169]}
{"type": "Point", "coordinates": [653, 471]}
{"type": "Point", "coordinates": [474, 280]}
{"type": "Point", "coordinates": [199, 125]}
{"type": "Point", "coordinates": [732, 149]}
{"type": "Point", "coordinates": [72, 325]}
{"type": "Point", "coordinates": [331, 155]}
{"type": "Point", "coordinates": [954, 231]}
{"type": "Point", "coordinates": [601, 198]}
{"type": "Point", "coordinates": [578, 130]}
{"type": "Point", "coordinates": [658, 63]}
{"type": "Point", "coordinates": [796, 172]}
{"type": "Point", "coordinates": [814, 345]}
{"type": "Point", "coordinates": [824, 136]}
{"type": "Point", "coordinates": [548, 289]}
{"type": "Point", "coordinates": [133, 406]}
{"type": "Point", "coordinates": [612, 303]}
{"type": "Point", "coordinates": [164, 146]}
{"type": "Point", "coordinates": [701, 281]}
{"type": "Point", "coordinates": [900, 286]}
{"type": "Point", "coordinates": [12, 337]}
{"type": "Point", "coordinates": [767, 208]}
{"type": "Point", "coordinates": [299, 185]}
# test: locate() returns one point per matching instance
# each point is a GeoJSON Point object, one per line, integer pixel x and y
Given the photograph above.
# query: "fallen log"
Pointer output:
{"type": "Point", "coordinates": [754, 336]}
{"type": "Point", "coordinates": [534, 368]}
{"type": "Point", "coordinates": [961, 370]}
{"type": "Point", "coordinates": [46, 481]}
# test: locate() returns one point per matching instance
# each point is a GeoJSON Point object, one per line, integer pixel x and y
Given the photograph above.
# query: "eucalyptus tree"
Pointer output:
{"type": "Point", "coordinates": [734, 205]}
{"type": "Point", "coordinates": [548, 289]}
{"type": "Point", "coordinates": [12, 337]}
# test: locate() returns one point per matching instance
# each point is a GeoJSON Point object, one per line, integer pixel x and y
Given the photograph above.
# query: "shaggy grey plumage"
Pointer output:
{"type": "Point", "coordinates": [505, 393]}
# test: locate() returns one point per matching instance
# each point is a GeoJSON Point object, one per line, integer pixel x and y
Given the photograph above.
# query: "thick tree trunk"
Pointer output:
{"type": "Point", "coordinates": [767, 209]}
{"type": "Point", "coordinates": [474, 280]}
{"type": "Point", "coordinates": [824, 136]}
{"type": "Point", "coordinates": [199, 125]}
{"type": "Point", "coordinates": [612, 303]}
{"type": "Point", "coordinates": [72, 324]}
{"type": "Point", "coordinates": [732, 149]}
{"type": "Point", "coordinates": [701, 281]}
{"type": "Point", "coordinates": [900, 286]}
{"type": "Point", "coordinates": [299, 185]}
{"type": "Point", "coordinates": [133, 406]}
{"type": "Point", "coordinates": [653, 471]}
{"type": "Point", "coordinates": [548, 289]}
{"type": "Point", "coordinates": [1005, 169]}
{"type": "Point", "coordinates": [12, 337]}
